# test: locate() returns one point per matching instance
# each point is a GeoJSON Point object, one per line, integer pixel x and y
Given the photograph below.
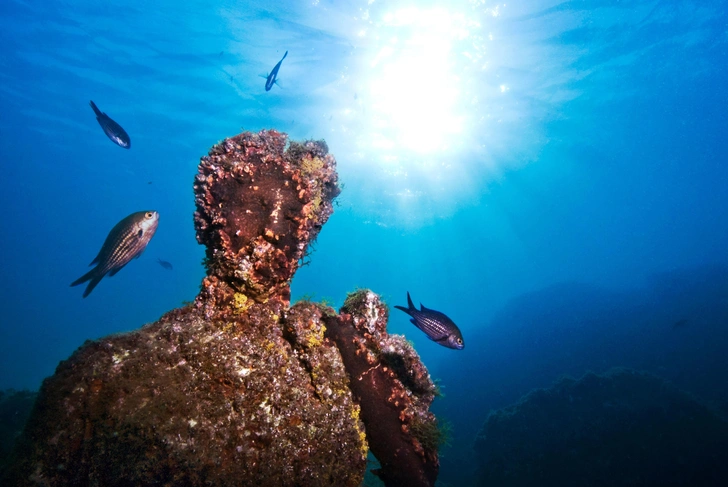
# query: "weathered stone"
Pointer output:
{"type": "Point", "coordinates": [236, 388]}
{"type": "Point", "coordinates": [394, 389]}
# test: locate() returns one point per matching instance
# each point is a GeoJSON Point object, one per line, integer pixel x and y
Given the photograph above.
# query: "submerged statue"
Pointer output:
{"type": "Point", "coordinates": [238, 387]}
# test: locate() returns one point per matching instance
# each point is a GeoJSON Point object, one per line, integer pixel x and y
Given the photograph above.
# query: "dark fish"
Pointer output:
{"type": "Point", "coordinates": [165, 264]}
{"type": "Point", "coordinates": [126, 241]}
{"type": "Point", "coordinates": [436, 325]}
{"type": "Point", "coordinates": [680, 323]}
{"type": "Point", "coordinates": [271, 78]}
{"type": "Point", "coordinates": [112, 129]}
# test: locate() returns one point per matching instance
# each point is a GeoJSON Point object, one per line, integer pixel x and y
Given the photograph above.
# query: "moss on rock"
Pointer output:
{"type": "Point", "coordinates": [238, 388]}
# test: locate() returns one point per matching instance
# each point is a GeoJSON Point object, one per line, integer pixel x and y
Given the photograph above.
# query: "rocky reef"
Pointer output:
{"type": "Point", "coordinates": [623, 428]}
{"type": "Point", "coordinates": [240, 388]}
{"type": "Point", "coordinates": [15, 407]}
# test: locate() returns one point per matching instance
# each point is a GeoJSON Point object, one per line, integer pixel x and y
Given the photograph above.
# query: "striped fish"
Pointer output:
{"type": "Point", "coordinates": [126, 241]}
{"type": "Point", "coordinates": [438, 327]}
{"type": "Point", "coordinates": [113, 130]}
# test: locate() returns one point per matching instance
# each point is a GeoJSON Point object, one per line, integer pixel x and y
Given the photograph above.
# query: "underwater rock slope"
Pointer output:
{"type": "Point", "coordinates": [236, 388]}
{"type": "Point", "coordinates": [15, 407]}
{"type": "Point", "coordinates": [623, 428]}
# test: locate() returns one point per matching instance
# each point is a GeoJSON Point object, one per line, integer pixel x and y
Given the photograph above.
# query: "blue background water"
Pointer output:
{"type": "Point", "coordinates": [550, 174]}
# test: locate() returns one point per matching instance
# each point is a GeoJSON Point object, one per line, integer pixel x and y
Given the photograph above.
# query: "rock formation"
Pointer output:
{"type": "Point", "coordinates": [623, 428]}
{"type": "Point", "coordinates": [239, 388]}
{"type": "Point", "coordinates": [15, 407]}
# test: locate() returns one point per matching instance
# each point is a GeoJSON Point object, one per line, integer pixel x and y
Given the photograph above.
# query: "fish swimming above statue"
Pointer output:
{"type": "Point", "coordinates": [113, 130]}
{"type": "Point", "coordinates": [165, 264]}
{"type": "Point", "coordinates": [438, 327]}
{"type": "Point", "coordinates": [126, 241]}
{"type": "Point", "coordinates": [270, 80]}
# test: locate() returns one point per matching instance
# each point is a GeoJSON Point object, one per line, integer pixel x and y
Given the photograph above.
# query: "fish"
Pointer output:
{"type": "Point", "coordinates": [437, 326]}
{"type": "Point", "coordinates": [165, 264]}
{"type": "Point", "coordinates": [680, 323]}
{"type": "Point", "coordinates": [113, 130]}
{"type": "Point", "coordinates": [270, 80]}
{"type": "Point", "coordinates": [126, 241]}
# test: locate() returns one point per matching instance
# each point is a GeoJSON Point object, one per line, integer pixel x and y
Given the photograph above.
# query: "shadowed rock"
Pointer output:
{"type": "Point", "coordinates": [393, 388]}
{"type": "Point", "coordinates": [623, 428]}
{"type": "Point", "coordinates": [236, 388]}
{"type": "Point", "coordinates": [15, 407]}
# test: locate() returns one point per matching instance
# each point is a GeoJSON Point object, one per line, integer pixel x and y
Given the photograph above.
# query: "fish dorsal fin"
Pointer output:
{"type": "Point", "coordinates": [423, 308]}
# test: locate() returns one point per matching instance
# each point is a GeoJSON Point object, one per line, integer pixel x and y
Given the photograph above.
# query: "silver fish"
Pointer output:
{"type": "Point", "coordinates": [126, 241]}
{"type": "Point", "coordinates": [438, 327]}
{"type": "Point", "coordinates": [113, 130]}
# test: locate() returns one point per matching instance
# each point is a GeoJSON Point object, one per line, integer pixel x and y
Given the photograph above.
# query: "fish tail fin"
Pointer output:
{"type": "Point", "coordinates": [284, 56]}
{"type": "Point", "coordinates": [92, 276]}
{"type": "Point", "coordinates": [91, 285]}
{"type": "Point", "coordinates": [95, 108]}
{"type": "Point", "coordinates": [409, 302]}
{"type": "Point", "coordinates": [86, 277]}
{"type": "Point", "coordinates": [402, 308]}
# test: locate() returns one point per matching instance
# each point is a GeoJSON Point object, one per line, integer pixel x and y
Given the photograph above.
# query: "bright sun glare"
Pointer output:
{"type": "Point", "coordinates": [414, 89]}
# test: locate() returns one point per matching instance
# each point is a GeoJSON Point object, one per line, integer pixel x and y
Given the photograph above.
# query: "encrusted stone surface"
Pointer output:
{"type": "Point", "coordinates": [259, 205]}
{"type": "Point", "coordinates": [192, 401]}
{"type": "Point", "coordinates": [237, 388]}
{"type": "Point", "coordinates": [394, 389]}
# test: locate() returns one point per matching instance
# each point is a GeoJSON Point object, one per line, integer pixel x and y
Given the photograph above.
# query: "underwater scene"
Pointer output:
{"type": "Point", "coordinates": [364, 243]}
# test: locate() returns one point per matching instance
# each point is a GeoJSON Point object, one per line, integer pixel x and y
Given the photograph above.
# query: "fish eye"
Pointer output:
{"type": "Point", "coordinates": [149, 214]}
{"type": "Point", "coordinates": [460, 341]}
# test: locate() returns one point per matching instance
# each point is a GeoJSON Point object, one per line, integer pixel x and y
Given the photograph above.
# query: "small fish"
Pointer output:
{"type": "Point", "coordinates": [126, 241]}
{"type": "Point", "coordinates": [438, 327]}
{"type": "Point", "coordinates": [165, 264]}
{"type": "Point", "coordinates": [680, 323]}
{"type": "Point", "coordinates": [271, 78]}
{"type": "Point", "coordinates": [112, 129]}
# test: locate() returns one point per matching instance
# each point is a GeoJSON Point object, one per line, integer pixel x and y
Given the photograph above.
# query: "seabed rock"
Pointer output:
{"type": "Point", "coordinates": [239, 388]}
{"type": "Point", "coordinates": [15, 407]}
{"type": "Point", "coordinates": [623, 428]}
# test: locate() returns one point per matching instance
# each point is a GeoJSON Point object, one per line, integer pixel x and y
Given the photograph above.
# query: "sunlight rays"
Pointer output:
{"type": "Point", "coordinates": [413, 86]}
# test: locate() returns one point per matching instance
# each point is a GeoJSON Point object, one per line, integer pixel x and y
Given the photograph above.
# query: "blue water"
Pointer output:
{"type": "Point", "coordinates": [543, 156]}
